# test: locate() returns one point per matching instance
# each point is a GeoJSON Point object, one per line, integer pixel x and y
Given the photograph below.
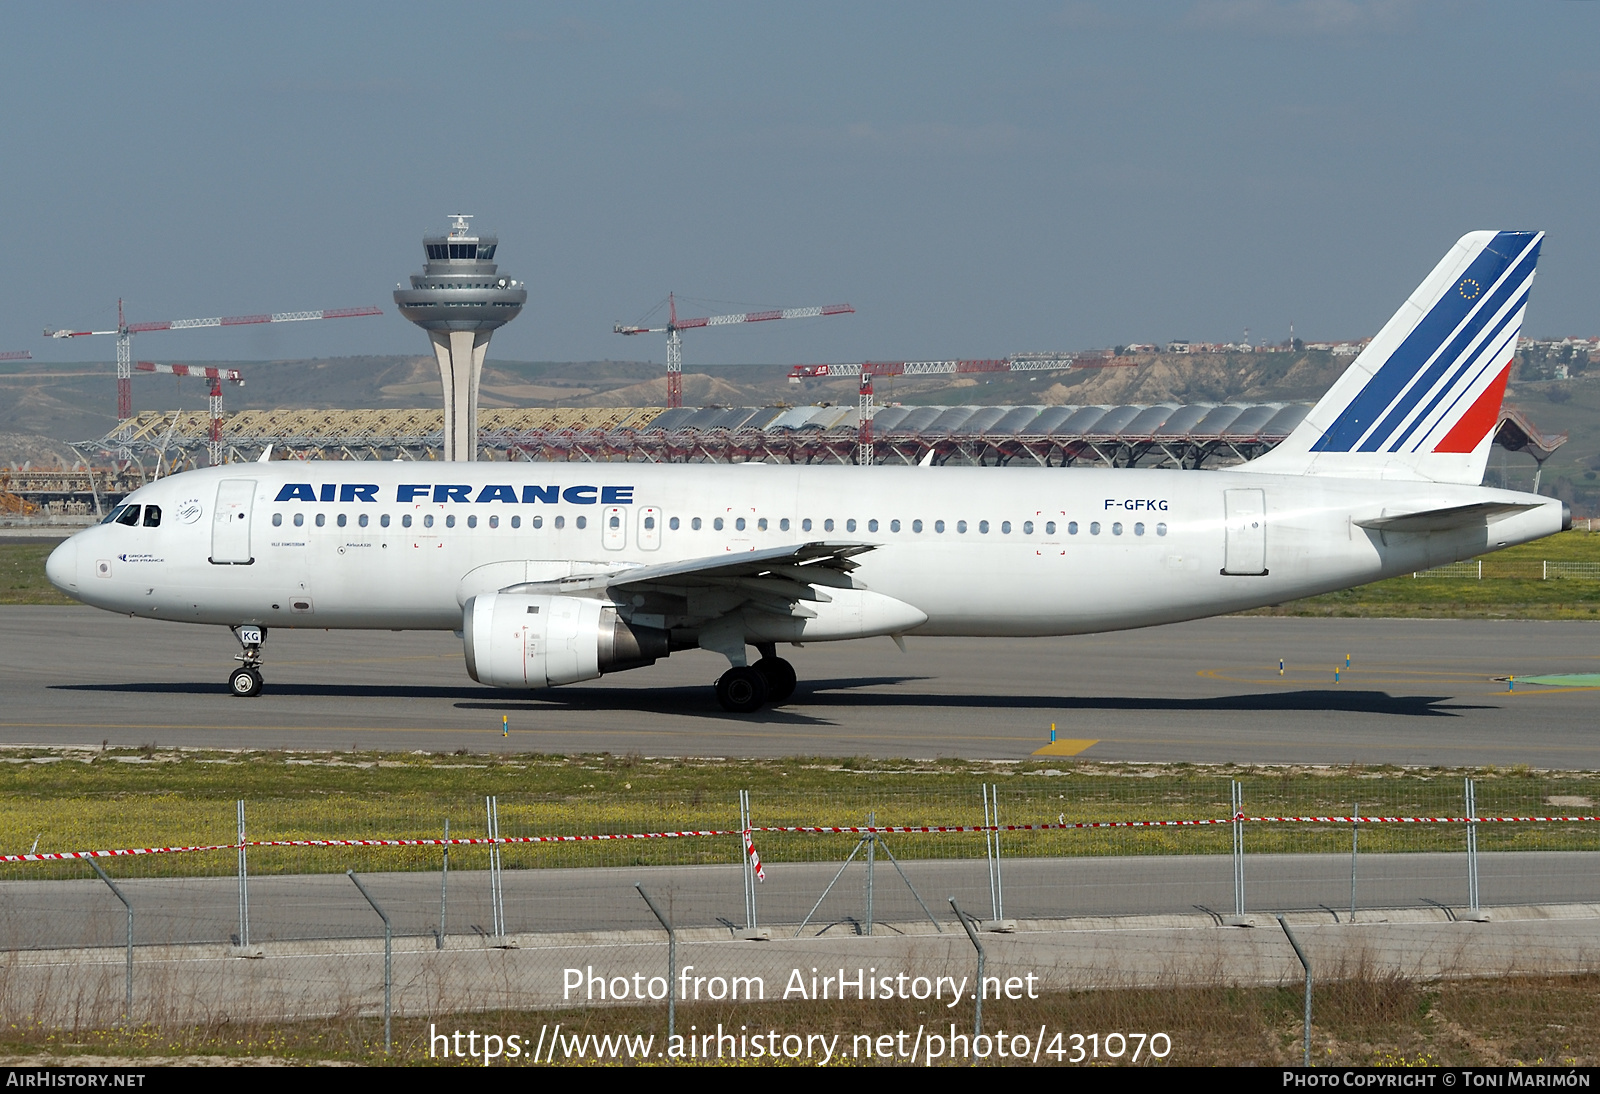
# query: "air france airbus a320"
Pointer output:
{"type": "Point", "coordinates": [556, 573]}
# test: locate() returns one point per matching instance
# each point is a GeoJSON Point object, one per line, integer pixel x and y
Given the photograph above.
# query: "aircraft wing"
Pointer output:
{"type": "Point", "coordinates": [788, 572]}
{"type": "Point", "coordinates": [1442, 520]}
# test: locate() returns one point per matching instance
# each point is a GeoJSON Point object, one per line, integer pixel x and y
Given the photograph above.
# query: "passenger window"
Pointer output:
{"type": "Point", "coordinates": [383, 521]}
{"type": "Point", "coordinates": [427, 520]}
{"type": "Point", "coordinates": [716, 525]}
{"type": "Point", "coordinates": [299, 520]}
{"type": "Point", "coordinates": [1005, 528]}
{"type": "Point", "coordinates": [783, 525]}
{"type": "Point", "coordinates": [961, 527]}
{"type": "Point", "coordinates": [1116, 528]}
{"type": "Point", "coordinates": [1138, 529]}
{"type": "Point", "coordinates": [694, 524]}
{"type": "Point", "coordinates": [152, 516]}
{"type": "Point", "coordinates": [761, 524]}
{"type": "Point", "coordinates": [1094, 528]}
{"type": "Point", "coordinates": [916, 526]}
{"type": "Point", "coordinates": [582, 522]}
{"type": "Point", "coordinates": [494, 521]}
{"type": "Point", "coordinates": [450, 521]}
{"type": "Point", "coordinates": [739, 524]}
{"type": "Point", "coordinates": [1050, 528]}
{"type": "Point", "coordinates": [673, 524]}
{"type": "Point", "coordinates": [322, 520]}
{"type": "Point", "coordinates": [850, 525]}
{"type": "Point", "coordinates": [894, 526]}
{"type": "Point", "coordinates": [938, 526]}
{"type": "Point", "coordinates": [405, 521]}
{"type": "Point", "coordinates": [983, 527]}
{"type": "Point", "coordinates": [827, 525]}
{"type": "Point", "coordinates": [1072, 527]}
{"type": "Point", "coordinates": [1027, 528]}
{"type": "Point", "coordinates": [113, 516]}
{"type": "Point", "coordinates": [872, 525]}
{"type": "Point", "coordinates": [341, 520]}
{"type": "Point", "coordinates": [277, 520]}
{"type": "Point", "coordinates": [649, 523]}
{"type": "Point", "coordinates": [472, 521]}
{"type": "Point", "coordinates": [560, 522]}
{"type": "Point", "coordinates": [516, 522]}
{"type": "Point", "coordinates": [805, 525]}
{"type": "Point", "coordinates": [362, 520]}
{"type": "Point", "coordinates": [1161, 529]}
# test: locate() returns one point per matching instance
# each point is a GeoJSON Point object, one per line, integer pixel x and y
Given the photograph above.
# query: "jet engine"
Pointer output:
{"type": "Point", "coordinates": [520, 640]}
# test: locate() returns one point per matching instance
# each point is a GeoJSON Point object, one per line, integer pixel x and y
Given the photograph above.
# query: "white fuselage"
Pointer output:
{"type": "Point", "coordinates": [979, 551]}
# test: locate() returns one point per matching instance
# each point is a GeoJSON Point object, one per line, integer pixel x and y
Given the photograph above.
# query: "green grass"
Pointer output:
{"type": "Point", "coordinates": [22, 579]}
{"type": "Point", "coordinates": [132, 798]}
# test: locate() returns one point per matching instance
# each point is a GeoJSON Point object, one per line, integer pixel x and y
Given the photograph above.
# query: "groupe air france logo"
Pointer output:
{"type": "Point", "coordinates": [1469, 289]}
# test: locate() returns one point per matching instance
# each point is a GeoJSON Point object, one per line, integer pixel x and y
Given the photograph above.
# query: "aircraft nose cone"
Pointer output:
{"type": "Point", "coordinates": [62, 566]}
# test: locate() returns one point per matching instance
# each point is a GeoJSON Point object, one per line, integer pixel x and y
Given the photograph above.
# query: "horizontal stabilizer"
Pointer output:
{"type": "Point", "coordinates": [1444, 520]}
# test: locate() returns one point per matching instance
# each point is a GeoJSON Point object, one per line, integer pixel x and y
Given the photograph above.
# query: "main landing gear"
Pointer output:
{"type": "Point", "coordinates": [745, 689]}
{"type": "Point", "coordinates": [245, 681]}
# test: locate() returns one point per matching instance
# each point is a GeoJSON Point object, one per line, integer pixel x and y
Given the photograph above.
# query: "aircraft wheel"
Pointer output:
{"type": "Point", "coordinates": [742, 690]}
{"type": "Point", "coordinates": [245, 682]}
{"type": "Point", "coordinates": [780, 678]}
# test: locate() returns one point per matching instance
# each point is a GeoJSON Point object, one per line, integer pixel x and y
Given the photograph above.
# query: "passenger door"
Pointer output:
{"type": "Point", "coordinates": [230, 523]}
{"type": "Point", "coordinates": [1245, 548]}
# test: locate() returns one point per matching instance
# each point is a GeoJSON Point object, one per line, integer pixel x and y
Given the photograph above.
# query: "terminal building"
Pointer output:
{"type": "Point", "coordinates": [1174, 435]}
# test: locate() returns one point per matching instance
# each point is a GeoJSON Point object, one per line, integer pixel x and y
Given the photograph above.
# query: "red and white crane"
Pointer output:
{"type": "Point", "coordinates": [676, 325]}
{"type": "Point", "coordinates": [125, 332]}
{"type": "Point", "coordinates": [216, 376]}
{"type": "Point", "coordinates": [16, 355]}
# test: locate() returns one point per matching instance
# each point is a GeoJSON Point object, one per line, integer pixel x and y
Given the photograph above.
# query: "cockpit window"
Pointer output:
{"type": "Point", "coordinates": [152, 516]}
{"type": "Point", "coordinates": [130, 516]}
{"type": "Point", "coordinates": [114, 514]}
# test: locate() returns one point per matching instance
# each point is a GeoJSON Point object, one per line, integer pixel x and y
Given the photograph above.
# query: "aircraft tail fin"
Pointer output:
{"type": "Point", "coordinates": [1423, 399]}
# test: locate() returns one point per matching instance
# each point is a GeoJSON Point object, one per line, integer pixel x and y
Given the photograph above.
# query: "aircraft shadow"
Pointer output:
{"type": "Point", "coordinates": [835, 695]}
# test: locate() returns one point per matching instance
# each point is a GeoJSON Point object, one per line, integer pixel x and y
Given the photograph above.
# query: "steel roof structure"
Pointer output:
{"type": "Point", "coordinates": [1161, 435]}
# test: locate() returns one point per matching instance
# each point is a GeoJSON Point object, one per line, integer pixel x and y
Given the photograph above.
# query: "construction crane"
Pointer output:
{"type": "Point", "coordinates": [16, 355]}
{"type": "Point", "coordinates": [216, 376]}
{"type": "Point", "coordinates": [675, 340]}
{"type": "Point", "coordinates": [125, 332]}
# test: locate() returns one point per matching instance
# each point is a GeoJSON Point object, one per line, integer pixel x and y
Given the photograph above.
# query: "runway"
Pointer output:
{"type": "Point", "coordinates": [1416, 692]}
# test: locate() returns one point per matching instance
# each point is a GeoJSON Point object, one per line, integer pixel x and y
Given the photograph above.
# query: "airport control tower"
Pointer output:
{"type": "Point", "coordinates": [459, 299]}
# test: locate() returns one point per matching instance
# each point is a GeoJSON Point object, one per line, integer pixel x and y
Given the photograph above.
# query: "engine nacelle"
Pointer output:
{"type": "Point", "coordinates": [520, 640]}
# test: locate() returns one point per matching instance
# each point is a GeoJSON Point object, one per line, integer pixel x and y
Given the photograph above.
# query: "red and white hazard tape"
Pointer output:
{"type": "Point", "coordinates": [749, 844]}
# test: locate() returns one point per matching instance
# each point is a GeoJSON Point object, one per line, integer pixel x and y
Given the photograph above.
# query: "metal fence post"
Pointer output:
{"type": "Point", "coordinates": [1355, 839]}
{"type": "Point", "coordinates": [444, 886]}
{"type": "Point", "coordinates": [977, 1011]}
{"type": "Point", "coordinates": [1306, 964]}
{"type": "Point", "coordinates": [872, 845]}
{"type": "Point", "coordinates": [672, 961]}
{"type": "Point", "coordinates": [127, 1000]}
{"type": "Point", "coordinates": [244, 884]}
{"type": "Point", "coordinates": [388, 955]}
{"type": "Point", "coordinates": [991, 836]}
{"type": "Point", "coordinates": [747, 865]}
{"type": "Point", "coordinates": [1238, 847]}
{"type": "Point", "coordinates": [1472, 845]}
{"type": "Point", "coordinates": [497, 906]}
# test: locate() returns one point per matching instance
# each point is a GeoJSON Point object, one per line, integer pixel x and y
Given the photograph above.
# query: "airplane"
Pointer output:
{"type": "Point", "coordinates": [557, 573]}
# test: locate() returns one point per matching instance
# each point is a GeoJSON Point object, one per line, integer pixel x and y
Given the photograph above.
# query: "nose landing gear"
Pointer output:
{"type": "Point", "coordinates": [245, 681]}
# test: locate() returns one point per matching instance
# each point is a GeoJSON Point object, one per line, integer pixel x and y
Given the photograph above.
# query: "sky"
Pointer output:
{"type": "Point", "coordinates": [976, 180]}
